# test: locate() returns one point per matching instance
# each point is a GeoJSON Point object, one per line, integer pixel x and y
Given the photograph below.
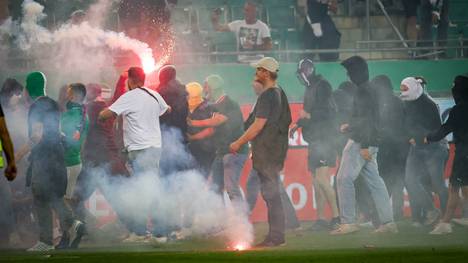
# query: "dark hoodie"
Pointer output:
{"type": "Point", "coordinates": [457, 121]}
{"type": "Point", "coordinates": [364, 119]}
{"type": "Point", "coordinates": [175, 95]}
{"type": "Point", "coordinates": [391, 112]}
{"type": "Point", "coordinates": [421, 117]}
{"type": "Point", "coordinates": [47, 173]}
{"type": "Point", "coordinates": [343, 97]}
{"type": "Point", "coordinates": [319, 103]}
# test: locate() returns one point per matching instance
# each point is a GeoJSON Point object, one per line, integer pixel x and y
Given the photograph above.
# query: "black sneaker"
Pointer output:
{"type": "Point", "coordinates": [78, 230]}
{"type": "Point", "coordinates": [271, 243]}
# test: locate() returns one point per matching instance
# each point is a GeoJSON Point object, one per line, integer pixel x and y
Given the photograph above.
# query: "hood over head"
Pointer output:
{"type": "Point", "coordinates": [357, 68]}
{"type": "Point", "coordinates": [460, 89]}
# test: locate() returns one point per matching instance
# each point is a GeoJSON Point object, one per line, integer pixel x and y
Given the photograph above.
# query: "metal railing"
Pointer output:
{"type": "Point", "coordinates": [284, 56]}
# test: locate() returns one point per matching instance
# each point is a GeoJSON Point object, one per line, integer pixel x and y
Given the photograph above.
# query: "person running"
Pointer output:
{"type": "Point", "coordinates": [319, 129]}
{"type": "Point", "coordinates": [457, 124]}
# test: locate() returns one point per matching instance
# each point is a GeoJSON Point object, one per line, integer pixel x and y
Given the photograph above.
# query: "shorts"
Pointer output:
{"type": "Point", "coordinates": [459, 177]}
{"type": "Point", "coordinates": [411, 7]}
{"type": "Point", "coordinates": [321, 155]}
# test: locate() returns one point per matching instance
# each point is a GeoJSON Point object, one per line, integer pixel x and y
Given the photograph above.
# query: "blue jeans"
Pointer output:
{"type": "Point", "coordinates": [227, 171]}
{"type": "Point", "coordinates": [353, 166]}
{"type": "Point", "coordinates": [425, 173]}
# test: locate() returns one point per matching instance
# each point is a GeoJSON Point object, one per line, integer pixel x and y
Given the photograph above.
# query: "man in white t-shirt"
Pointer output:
{"type": "Point", "coordinates": [251, 33]}
{"type": "Point", "coordinates": [141, 109]}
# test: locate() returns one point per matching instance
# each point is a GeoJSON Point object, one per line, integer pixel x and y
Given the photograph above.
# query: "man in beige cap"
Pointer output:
{"type": "Point", "coordinates": [268, 132]}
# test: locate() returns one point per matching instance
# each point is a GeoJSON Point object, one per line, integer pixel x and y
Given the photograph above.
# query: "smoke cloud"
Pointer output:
{"type": "Point", "coordinates": [79, 52]}
{"type": "Point", "coordinates": [181, 201]}
{"type": "Point", "coordinates": [85, 53]}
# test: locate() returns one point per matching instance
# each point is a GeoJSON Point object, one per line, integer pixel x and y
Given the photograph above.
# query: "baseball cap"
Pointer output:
{"type": "Point", "coordinates": [267, 63]}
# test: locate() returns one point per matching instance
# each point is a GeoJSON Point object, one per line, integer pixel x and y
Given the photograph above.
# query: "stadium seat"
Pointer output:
{"type": "Point", "coordinates": [180, 19]}
{"type": "Point", "coordinates": [284, 17]}
{"type": "Point", "coordinates": [223, 41]}
{"type": "Point", "coordinates": [458, 12]}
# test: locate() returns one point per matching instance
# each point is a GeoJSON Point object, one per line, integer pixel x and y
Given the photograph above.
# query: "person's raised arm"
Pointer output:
{"type": "Point", "coordinates": [214, 121]}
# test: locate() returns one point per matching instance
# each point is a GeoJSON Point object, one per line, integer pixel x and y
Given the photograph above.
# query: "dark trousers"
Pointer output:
{"type": "Point", "coordinates": [253, 188]}
{"type": "Point", "coordinates": [392, 163]}
{"type": "Point", "coordinates": [44, 209]}
{"type": "Point", "coordinates": [270, 188]}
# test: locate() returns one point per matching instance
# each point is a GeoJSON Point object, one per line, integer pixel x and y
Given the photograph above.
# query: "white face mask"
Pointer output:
{"type": "Point", "coordinates": [414, 91]}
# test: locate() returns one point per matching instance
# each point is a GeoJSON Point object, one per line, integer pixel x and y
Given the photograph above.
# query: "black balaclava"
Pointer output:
{"type": "Point", "coordinates": [167, 73]}
{"type": "Point", "coordinates": [306, 72]}
{"type": "Point", "coordinates": [460, 89]}
{"type": "Point", "coordinates": [357, 68]}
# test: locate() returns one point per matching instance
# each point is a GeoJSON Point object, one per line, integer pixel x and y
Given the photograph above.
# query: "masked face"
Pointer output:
{"type": "Point", "coordinates": [303, 78]}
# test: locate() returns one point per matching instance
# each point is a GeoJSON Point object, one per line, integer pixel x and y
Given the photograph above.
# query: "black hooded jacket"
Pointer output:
{"type": "Point", "coordinates": [319, 103]}
{"type": "Point", "coordinates": [364, 119]}
{"type": "Point", "coordinates": [343, 97]}
{"type": "Point", "coordinates": [47, 173]}
{"type": "Point", "coordinates": [391, 113]}
{"type": "Point", "coordinates": [175, 95]}
{"type": "Point", "coordinates": [421, 117]}
{"type": "Point", "coordinates": [457, 121]}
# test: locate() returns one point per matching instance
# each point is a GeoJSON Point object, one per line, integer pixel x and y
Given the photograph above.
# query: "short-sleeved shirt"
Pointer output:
{"type": "Point", "coordinates": [141, 113]}
{"type": "Point", "coordinates": [249, 37]}
{"type": "Point", "coordinates": [271, 144]}
{"type": "Point", "coordinates": [232, 129]}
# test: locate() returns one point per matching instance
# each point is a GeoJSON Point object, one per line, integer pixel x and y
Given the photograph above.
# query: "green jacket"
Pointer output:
{"type": "Point", "coordinates": [71, 122]}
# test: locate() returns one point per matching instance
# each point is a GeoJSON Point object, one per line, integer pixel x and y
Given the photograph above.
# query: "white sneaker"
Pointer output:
{"type": "Point", "coordinates": [134, 238]}
{"type": "Point", "coordinates": [345, 229]}
{"type": "Point", "coordinates": [387, 228]}
{"type": "Point", "coordinates": [157, 240]}
{"type": "Point", "coordinates": [432, 217]}
{"type": "Point", "coordinates": [461, 221]}
{"type": "Point", "coordinates": [367, 224]}
{"type": "Point", "coordinates": [441, 229]}
{"type": "Point", "coordinates": [40, 247]}
{"type": "Point", "coordinates": [416, 224]}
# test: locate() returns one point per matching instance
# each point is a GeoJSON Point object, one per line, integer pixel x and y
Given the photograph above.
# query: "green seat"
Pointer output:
{"type": "Point", "coordinates": [293, 41]}
{"type": "Point", "coordinates": [458, 12]}
{"type": "Point", "coordinates": [223, 41]}
{"type": "Point", "coordinates": [279, 3]}
{"type": "Point", "coordinates": [284, 17]}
